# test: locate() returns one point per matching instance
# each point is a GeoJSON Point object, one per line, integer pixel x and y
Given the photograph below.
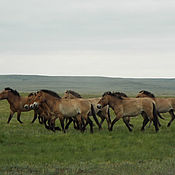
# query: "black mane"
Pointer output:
{"type": "Point", "coordinates": [119, 95]}
{"type": "Point", "coordinates": [147, 93]}
{"type": "Point", "coordinates": [52, 93]}
{"type": "Point", "coordinates": [13, 91]}
{"type": "Point", "coordinates": [31, 94]}
{"type": "Point", "coordinates": [74, 93]}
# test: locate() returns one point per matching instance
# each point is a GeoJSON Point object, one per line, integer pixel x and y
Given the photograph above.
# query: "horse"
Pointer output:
{"type": "Point", "coordinates": [43, 112]}
{"type": "Point", "coordinates": [65, 108]}
{"type": "Point", "coordinates": [16, 102]}
{"type": "Point", "coordinates": [163, 104]}
{"type": "Point", "coordinates": [102, 113]}
{"type": "Point", "coordinates": [124, 107]}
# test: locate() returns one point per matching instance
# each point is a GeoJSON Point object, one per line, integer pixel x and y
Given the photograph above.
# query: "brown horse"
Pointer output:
{"type": "Point", "coordinates": [124, 107]}
{"type": "Point", "coordinates": [64, 108]}
{"type": "Point", "coordinates": [43, 111]}
{"type": "Point", "coordinates": [16, 102]}
{"type": "Point", "coordinates": [163, 104]}
{"type": "Point", "coordinates": [102, 113]}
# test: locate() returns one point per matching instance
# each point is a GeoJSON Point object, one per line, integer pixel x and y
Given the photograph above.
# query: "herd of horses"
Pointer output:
{"type": "Point", "coordinates": [49, 106]}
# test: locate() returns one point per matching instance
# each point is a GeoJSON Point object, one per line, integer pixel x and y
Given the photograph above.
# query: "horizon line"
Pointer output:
{"type": "Point", "coordinates": [95, 76]}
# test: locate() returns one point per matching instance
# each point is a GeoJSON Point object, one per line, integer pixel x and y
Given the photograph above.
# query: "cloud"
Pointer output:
{"type": "Point", "coordinates": [81, 30]}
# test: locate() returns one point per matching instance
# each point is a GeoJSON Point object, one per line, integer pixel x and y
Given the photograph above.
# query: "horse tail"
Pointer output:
{"type": "Point", "coordinates": [155, 120]}
{"type": "Point", "coordinates": [94, 116]}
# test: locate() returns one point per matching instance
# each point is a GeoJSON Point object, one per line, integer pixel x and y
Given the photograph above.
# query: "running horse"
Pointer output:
{"type": "Point", "coordinates": [102, 113]}
{"type": "Point", "coordinates": [16, 102]}
{"type": "Point", "coordinates": [163, 104]}
{"type": "Point", "coordinates": [130, 107]}
{"type": "Point", "coordinates": [43, 112]}
{"type": "Point", "coordinates": [64, 108]}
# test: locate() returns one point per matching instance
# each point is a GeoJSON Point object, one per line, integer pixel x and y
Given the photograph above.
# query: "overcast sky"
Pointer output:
{"type": "Point", "coordinates": [116, 38]}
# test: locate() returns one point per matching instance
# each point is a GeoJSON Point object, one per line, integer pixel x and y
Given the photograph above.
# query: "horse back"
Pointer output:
{"type": "Point", "coordinates": [72, 107]}
{"type": "Point", "coordinates": [164, 104]}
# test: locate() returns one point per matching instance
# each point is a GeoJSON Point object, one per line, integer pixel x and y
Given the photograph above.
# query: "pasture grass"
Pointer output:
{"type": "Point", "coordinates": [31, 149]}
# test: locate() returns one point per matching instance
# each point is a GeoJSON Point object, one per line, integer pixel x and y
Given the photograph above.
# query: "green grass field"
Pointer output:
{"type": "Point", "coordinates": [31, 149]}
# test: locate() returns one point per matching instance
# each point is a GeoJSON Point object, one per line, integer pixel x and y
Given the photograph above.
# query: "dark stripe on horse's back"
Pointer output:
{"type": "Point", "coordinates": [119, 95]}
{"type": "Point", "coordinates": [74, 93]}
{"type": "Point", "coordinates": [52, 93]}
{"type": "Point", "coordinates": [147, 93]}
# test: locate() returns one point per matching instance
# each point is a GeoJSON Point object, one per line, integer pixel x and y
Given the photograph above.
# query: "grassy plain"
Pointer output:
{"type": "Point", "coordinates": [31, 149]}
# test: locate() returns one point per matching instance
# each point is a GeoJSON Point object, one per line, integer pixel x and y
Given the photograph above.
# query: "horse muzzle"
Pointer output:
{"type": "Point", "coordinates": [35, 105]}
{"type": "Point", "coordinates": [26, 106]}
{"type": "Point", "coordinates": [99, 106]}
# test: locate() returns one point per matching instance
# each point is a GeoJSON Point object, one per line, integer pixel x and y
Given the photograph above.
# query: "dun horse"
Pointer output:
{"type": "Point", "coordinates": [64, 108]}
{"type": "Point", "coordinates": [16, 102]}
{"type": "Point", "coordinates": [102, 113]}
{"type": "Point", "coordinates": [163, 104]}
{"type": "Point", "coordinates": [130, 107]}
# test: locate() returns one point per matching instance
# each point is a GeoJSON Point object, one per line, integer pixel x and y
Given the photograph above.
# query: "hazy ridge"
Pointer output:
{"type": "Point", "coordinates": [87, 85]}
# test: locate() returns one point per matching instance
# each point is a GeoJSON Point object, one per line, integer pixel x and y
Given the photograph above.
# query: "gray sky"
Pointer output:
{"type": "Point", "coordinates": [116, 38]}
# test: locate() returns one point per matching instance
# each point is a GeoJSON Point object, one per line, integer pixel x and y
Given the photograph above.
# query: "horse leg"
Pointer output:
{"type": "Point", "coordinates": [40, 118]}
{"type": "Point", "coordinates": [76, 125]}
{"type": "Point", "coordinates": [51, 123]}
{"type": "Point", "coordinates": [149, 124]}
{"type": "Point", "coordinates": [153, 117]}
{"type": "Point", "coordinates": [35, 116]}
{"type": "Point", "coordinates": [18, 117]}
{"type": "Point", "coordinates": [10, 116]}
{"type": "Point", "coordinates": [68, 123]}
{"type": "Point", "coordinates": [145, 121]}
{"type": "Point", "coordinates": [62, 124]}
{"type": "Point", "coordinates": [105, 115]}
{"type": "Point", "coordinates": [45, 124]}
{"type": "Point", "coordinates": [94, 116]}
{"type": "Point", "coordinates": [100, 114]}
{"type": "Point", "coordinates": [127, 119]}
{"type": "Point", "coordinates": [118, 114]}
{"type": "Point", "coordinates": [172, 117]}
{"type": "Point", "coordinates": [127, 123]}
{"type": "Point", "coordinates": [113, 122]}
{"type": "Point", "coordinates": [80, 120]}
{"type": "Point", "coordinates": [90, 123]}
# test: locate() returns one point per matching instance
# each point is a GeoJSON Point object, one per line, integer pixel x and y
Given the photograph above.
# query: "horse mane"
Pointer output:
{"type": "Point", "coordinates": [31, 94]}
{"type": "Point", "coordinates": [74, 93]}
{"type": "Point", "coordinates": [52, 93]}
{"type": "Point", "coordinates": [118, 95]}
{"type": "Point", "coordinates": [147, 93]}
{"type": "Point", "coordinates": [13, 91]}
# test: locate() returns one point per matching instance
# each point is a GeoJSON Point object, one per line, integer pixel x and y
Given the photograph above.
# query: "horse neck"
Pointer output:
{"type": "Point", "coordinates": [72, 97]}
{"type": "Point", "coordinates": [113, 101]}
{"type": "Point", "coordinates": [12, 99]}
{"type": "Point", "coordinates": [51, 102]}
{"type": "Point", "coordinates": [147, 96]}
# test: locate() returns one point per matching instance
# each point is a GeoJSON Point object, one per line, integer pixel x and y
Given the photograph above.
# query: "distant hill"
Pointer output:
{"type": "Point", "coordinates": [87, 85]}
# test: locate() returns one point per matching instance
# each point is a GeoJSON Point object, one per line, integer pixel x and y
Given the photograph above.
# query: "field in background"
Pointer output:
{"type": "Point", "coordinates": [88, 85]}
{"type": "Point", "coordinates": [31, 149]}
